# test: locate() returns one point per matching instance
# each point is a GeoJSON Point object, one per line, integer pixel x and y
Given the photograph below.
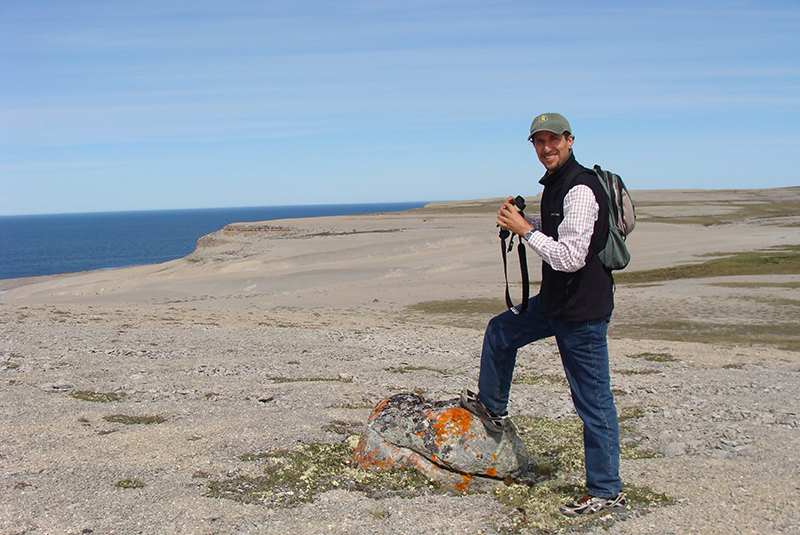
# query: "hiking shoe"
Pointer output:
{"type": "Point", "coordinates": [589, 505]}
{"type": "Point", "coordinates": [494, 423]}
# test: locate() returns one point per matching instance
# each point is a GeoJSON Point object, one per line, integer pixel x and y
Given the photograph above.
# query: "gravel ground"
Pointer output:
{"type": "Point", "coordinates": [127, 395]}
{"type": "Point", "coordinates": [227, 383]}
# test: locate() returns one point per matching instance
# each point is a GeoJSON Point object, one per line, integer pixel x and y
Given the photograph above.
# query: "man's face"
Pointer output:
{"type": "Point", "coordinates": [551, 148]}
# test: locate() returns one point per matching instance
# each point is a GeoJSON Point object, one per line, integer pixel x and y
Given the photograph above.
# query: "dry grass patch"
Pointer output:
{"type": "Point", "coordinates": [310, 379]}
{"type": "Point", "coordinates": [468, 313]}
{"type": "Point", "coordinates": [655, 357]}
{"type": "Point", "coordinates": [766, 209]}
{"type": "Point", "coordinates": [410, 369]}
{"type": "Point", "coordinates": [461, 306]}
{"type": "Point", "coordinates": [97, 397]}
{"type": "Point", "coordinates": [646, 371]}
{"type": "Point", "coordinates": [781, 260]}
{"type": "Point", "coordinates": [129, 483]}
{"type": "Point", "coordinates": [783, 335]}
{"type": "Point", "coordinates": [557, 448]}
{"type": "Point", "coordinates": [126, 419]}
{"type": "Point", "coordinates": [294, 477]}
{"type": "Point", "coordinates": [540, 380]}
{"type": "Point", "coordinates": [791, 285]}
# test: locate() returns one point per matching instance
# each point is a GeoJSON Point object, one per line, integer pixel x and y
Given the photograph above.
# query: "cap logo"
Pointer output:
{"type": "Point", "coordinates": [543, 118]}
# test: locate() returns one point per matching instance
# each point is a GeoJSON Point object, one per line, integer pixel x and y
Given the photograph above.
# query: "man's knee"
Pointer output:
{"type": "Point", "coordinates": [494, 324]}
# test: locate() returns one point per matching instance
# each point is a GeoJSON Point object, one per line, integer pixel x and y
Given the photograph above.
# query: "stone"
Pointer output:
{"type": "Point", "coordinates": [664, 438]}
{"type": "Point", "coordinates": [444, 441]}
{"type": "Point", "coordinates": [56, 387]}
{"type": "Point", "coordinates": [674, 449]}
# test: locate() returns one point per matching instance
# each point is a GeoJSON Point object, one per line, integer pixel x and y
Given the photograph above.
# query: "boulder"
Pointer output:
{"type": "Point", "coordinates": [441, 439]}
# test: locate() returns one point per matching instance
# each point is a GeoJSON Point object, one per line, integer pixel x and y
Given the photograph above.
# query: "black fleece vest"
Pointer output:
{"type": "Point", "coordinates": [587, 294]}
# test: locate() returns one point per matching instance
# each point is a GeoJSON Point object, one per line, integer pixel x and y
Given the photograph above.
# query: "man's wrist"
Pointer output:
{"type": "Point", "coordinates": [529, 234]}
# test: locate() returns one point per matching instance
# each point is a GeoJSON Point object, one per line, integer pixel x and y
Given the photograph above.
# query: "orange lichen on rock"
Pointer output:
{"type": "Point", "coordinates": [464, 485]}
{"type": "Point", "coordinates": [378, 409]}
{"type": "Point", "coordinates": [440, 439]}
{"type": "Point", "coordinates": [451, 421]}
{"type": "Point", "coordinates": [371, 458]}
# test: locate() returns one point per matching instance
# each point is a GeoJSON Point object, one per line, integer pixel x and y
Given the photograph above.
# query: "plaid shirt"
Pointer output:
{"type": "Point", "coordinates": [574, 233]}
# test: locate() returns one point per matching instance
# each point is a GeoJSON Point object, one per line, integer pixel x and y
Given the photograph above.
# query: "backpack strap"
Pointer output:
{"type": "Point", "coordinates": [523, 267]}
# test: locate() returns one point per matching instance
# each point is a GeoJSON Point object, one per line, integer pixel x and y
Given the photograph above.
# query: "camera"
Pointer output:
{"type": "Point", "coordinates": [519, 204]}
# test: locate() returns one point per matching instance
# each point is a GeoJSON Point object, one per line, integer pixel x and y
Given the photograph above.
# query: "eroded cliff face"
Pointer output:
{"type": "Point", "coordinates": [241, 240]}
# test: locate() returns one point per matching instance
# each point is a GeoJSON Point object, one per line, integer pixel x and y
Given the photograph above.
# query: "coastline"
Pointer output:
{"type": "Point", "coordinates": [36, 245]}
{"type": "Point", "coordinates": [268, 334]}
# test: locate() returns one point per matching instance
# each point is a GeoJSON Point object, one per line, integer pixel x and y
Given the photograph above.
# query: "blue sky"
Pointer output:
{"type": "Point", "coordinates": [109, 106]}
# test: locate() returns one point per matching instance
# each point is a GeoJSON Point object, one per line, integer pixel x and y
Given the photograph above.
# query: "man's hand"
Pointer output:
{"type": "Point", "coordinates": [508, 217]}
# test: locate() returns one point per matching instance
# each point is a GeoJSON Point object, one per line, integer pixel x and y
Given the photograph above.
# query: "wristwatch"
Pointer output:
{"type": "Point", "coordinates": [529, 234]}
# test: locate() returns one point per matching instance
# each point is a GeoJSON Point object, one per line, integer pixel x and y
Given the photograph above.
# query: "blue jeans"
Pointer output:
{"type": "Point", "coordinates": [584, 355]}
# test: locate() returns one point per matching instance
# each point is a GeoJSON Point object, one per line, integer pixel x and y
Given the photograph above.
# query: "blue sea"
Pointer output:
{"type": "Point", "coordinates": [34, 245]}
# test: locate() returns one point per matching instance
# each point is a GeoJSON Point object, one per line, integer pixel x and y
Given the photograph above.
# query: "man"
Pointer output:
{"type": "Point", "coordinates": [574, 304]}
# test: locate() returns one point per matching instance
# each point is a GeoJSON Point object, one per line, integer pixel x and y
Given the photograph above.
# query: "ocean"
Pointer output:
{"type": "Point", "coordinates": [34, 245]}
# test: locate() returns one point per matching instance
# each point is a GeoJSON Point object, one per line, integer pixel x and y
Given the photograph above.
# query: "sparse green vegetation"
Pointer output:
{"type": "Point", "coordinates": [655, 357]}
{"type": "Point", "coordinates": [557, 448]}
{"type": "Point", "coordinates": [555, 445]}
{"type": "Point", "coordinates": [297, 476]}
{"type": "Point", "coordinates": [129, 483]}
{"type": "Point", "coordinates": [97, 397]}
{"type": "Point", "coordinates": [361, 405]}
{"type": "Point", "coordinates": [293, 477]}
{"type": "Point", "coordinates": [342, 427]}
{"type": "Point", "coordinates": [379, 514]}
{"type": "Point", "coordinates": [407, 369]}
{"type": "Point", "coordinates": [134, 420]}
{"type": "Point", "coordinates": [461, 306]}
{"type": "Point", "coordinates": [783, 334]}
{"type": "Point", "coordinates": [729, 212]}
{"type": "Point", "coordinates": [540, 506]}
{"type": "Point", "coordinates": [630, 413]}
{"type": "Point", "coordinates": [646, 371]}
{"type": "Point", "coordinates": [310, 379]}
{"type": "Point", "coordinates": [783, 260]}
{"type": "Point", "coordinates": [792, 285]}
{"type": "Point", "coordinates": [465, 313]}
{"type": "Point", "coordinates": [540, 380]}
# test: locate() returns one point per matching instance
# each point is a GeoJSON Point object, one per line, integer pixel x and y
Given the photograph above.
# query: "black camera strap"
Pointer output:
{"type": "Point", "coordinates": [523, 267]}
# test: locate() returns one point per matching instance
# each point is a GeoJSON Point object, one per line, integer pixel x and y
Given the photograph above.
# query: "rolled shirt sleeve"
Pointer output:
{"type": "Point", "coordinates": [569, 252]}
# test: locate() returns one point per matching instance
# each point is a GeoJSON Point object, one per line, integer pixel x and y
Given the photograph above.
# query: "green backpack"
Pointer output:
{"type": "Point", "coordinates": [621, 220]}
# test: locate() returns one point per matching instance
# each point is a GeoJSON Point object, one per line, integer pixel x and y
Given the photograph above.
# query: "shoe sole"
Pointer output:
{"type": "Point", "coordinates": [616, 509]}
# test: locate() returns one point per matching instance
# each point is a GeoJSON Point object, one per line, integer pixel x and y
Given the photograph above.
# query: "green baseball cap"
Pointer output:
{"type": "Point", "coordinates": [549, 122]}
